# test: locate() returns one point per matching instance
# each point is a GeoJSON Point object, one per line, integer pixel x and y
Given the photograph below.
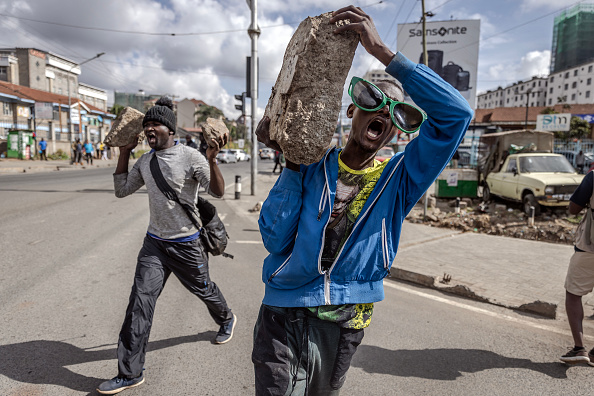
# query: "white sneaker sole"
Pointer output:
{"type": "Point", "coordinates": [577, 359]}
{"type": "Point", "coordinates": [113, 392]}
{"type": "Point", "coordinates": [232, 328]}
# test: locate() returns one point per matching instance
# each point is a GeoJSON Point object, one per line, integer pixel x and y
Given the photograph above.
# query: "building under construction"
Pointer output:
{"type": "Point", "coordinates": [573, 37]}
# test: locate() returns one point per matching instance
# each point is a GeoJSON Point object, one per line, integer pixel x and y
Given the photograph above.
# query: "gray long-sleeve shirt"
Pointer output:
{"type": "Point", "coordinates": [185, 169]}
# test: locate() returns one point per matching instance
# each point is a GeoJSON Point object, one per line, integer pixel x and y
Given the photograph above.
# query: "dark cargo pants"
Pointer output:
{"type": "Point", "coordinates": [297, 354]}
{"type": "Point", "coordinates": [156, 261]}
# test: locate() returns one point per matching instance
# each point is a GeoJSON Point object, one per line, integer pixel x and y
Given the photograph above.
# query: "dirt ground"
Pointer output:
{"type": "Point", "coordinates": [497, 218]}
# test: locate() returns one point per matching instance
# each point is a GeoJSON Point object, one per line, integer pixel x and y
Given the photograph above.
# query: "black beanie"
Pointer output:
{"type": "Point", "coordinates": [162, 112]}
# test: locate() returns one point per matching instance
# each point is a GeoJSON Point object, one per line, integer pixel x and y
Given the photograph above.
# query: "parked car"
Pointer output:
{"type": "Point", "coordinates": [226, 156]}
{"type": "Point", "coordinates": [384, 154]}
{"type": "Point", "coordinates": [267, 153]}
{"type": "Point", "coordinates": [241, 155]}
{"type": "Point", "coordinates": [535, 179]}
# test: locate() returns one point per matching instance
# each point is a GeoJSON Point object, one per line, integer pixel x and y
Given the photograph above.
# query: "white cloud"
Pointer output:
{"type": "Point", "coordinates": [534, 63]}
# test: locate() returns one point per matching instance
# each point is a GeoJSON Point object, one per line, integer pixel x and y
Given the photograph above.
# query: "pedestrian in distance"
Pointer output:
{"type": "Point", "coordinates": [88, 148]}
{"type": "Point", "coordinates": [172, 243]}
{"type": "Point", "coordinates": [579, 162]}
{"type": "Point", "coordinates": [455, 159]}
{"type": "Point", "coordinates": [78, 152]}
{"type": "Point", "coordinates": [103, 151]}
{"type": "Point", "coordinates": [277, 161]}
{"type": "Point", "coordinates": [42, 149]}
{"type": "Point", "coordinates": [332, 227]}
{"type": "Point", "coordinates": [580, 273]}
{"type": "Point", "coordinates": [203, 145]}
{"type": "Point", "coordinates": [98, 150]}
{"type": "Point", "coordinates": [190, 142]}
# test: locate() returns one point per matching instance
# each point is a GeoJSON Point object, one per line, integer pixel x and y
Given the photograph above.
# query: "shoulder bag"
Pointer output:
{"type": "Point", "coordinates": [212, 232]}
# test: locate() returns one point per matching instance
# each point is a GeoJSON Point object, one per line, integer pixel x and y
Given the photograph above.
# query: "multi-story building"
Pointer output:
{"type": "Point", "coordinates": [530, 93]}
{"type": "Point", "coordinates": [134, 100]}
{"type": "Point", "coordinates": [573, 38]}
{"type": "Point", "coordinates": [378, 74]}
{"type": "Point", "coordinates": [572, 86]}
{"type": "Point", "coordinates": [46, 71]}
{"type": "Point", "coordinates": [186, 112]}
{"type": "Point", "coordinates": [46, 113]}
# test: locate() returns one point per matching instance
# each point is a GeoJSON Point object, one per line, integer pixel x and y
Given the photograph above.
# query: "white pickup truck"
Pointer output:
{"type": "Point", "coordinates": [534, 179]}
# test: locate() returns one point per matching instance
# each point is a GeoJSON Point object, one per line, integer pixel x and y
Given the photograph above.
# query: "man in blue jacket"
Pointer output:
{"type": "Point", "coordinates": [332, 228]}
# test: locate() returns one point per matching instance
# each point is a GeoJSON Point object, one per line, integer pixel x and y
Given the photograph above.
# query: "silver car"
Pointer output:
{"type": "Point", "coordinates": [226, 156]}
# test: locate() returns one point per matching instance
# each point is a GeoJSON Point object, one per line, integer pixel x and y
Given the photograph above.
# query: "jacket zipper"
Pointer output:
{"type": "Point", "coordinates": [385, 243]}
{"type": "Point", "coordinates": [279, 269]}
{"type": "Point", "coordinates": [357, 223]}
{"type": "Point", "coordinates": [321, 208]}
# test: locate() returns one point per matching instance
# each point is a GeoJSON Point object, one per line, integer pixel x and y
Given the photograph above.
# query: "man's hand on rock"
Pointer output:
{"type": "Point", "coordinates": [362, 23]}
{"type": "Point", "coordinates": [130, 146]}
{"type": "Point", "coordinates": [263, 134]}
{"type": "Point", "coordinates": [215, 146]}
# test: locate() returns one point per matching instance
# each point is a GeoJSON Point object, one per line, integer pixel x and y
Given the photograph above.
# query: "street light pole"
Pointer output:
{"type": "Point", "coordinates": [527, 99]}
{"type": "Point", "coordinates": [70, 129]}
{"type": "Point", "coordinates": [254, 33]}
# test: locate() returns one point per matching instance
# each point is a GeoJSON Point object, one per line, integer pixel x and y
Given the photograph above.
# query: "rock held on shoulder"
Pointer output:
{"type": "Point", "coordinates": [306, 99]}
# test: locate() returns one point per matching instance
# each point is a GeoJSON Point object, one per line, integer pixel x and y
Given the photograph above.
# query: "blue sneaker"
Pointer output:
{"type": "Point", "coordinates": [118, 384]}
{"type": "Point", "coordinates": [226, 332]}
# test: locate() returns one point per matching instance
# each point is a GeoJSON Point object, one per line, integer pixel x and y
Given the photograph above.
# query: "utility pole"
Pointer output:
{"type": "Point", "coordinates": [70, 128]}
{"type": "Point", "coordinates": [424, 19]}
{"type": "Point", "coordinates": [254, 33]}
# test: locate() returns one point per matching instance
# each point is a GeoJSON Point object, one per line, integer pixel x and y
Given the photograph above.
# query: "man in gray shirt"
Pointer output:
{"type": "Point", "coordinates": [172, 243]}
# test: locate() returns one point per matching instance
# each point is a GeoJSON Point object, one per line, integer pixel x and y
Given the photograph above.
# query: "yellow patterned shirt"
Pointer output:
{"type": "Point", "coordinates": [352, 190]}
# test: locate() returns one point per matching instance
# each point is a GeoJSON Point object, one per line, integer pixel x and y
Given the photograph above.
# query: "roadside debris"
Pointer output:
{"type": "Point", "coordinates": [498, 219]}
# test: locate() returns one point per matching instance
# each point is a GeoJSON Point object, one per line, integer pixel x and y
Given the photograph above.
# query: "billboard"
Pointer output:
{"type": "Point", "coordinates": [452, 51]}
{"type": "Point", "coordinates": [553, 122]}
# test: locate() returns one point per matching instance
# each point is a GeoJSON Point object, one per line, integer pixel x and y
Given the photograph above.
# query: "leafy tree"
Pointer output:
{"type": "Point", "coordinates": [206, 111]}
{"type": "Point", "coordinates": [116, 109]}
{"type": "Point", "coordinates": [578, 129]}
{"type": "Point", "coordinates": [548, 110]}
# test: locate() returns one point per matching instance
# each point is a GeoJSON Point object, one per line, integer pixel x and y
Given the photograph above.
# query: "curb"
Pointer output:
{"type": "Point", "coordinates": [541, 308]}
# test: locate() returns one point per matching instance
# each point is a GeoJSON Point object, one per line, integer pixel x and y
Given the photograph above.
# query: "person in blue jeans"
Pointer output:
{"type": "Point", "coordinates": [332, 227]}
{"type": "Point", "coordinates": [88, 148]}
{"type": "Point", "coordinates": [42, 149]}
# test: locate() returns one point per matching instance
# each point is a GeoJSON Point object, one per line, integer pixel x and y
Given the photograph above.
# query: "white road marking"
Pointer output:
{"type": "Point", "coordinates": [248, 242]}
{"type": "Point", "coordinates": [478, 310]}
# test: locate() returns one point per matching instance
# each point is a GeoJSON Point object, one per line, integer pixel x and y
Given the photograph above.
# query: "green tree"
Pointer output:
{"type": "Point", "coordinates": [578, 129]}
{"type": "Point", "coordinates": [116, 109]}
{"type": "Point", "coordinates": [548, 110]}
{"type": "Point", "coordinates": [206, 111]}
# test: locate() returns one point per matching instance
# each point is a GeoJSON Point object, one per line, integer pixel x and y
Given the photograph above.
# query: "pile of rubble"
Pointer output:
{"type": "Point", "coordinates": [497, 219]}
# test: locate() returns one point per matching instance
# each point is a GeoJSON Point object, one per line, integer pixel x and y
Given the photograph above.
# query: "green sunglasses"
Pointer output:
{"type": "Point", "coordinates": [369, 97]}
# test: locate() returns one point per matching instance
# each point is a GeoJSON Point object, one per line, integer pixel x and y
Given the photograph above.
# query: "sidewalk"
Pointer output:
{"type": "Point", "coordinates": [11, 165]}
{"type": "Point", "coordinates": [514, 273]}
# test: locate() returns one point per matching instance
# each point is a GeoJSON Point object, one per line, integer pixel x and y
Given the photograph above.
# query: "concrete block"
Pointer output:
{"type": "Point", "coordinates": [306, 99]}
{"type": "Point", "coordinates": [126, 127]}
{"type": "Point", "coordinates": [213, 128]}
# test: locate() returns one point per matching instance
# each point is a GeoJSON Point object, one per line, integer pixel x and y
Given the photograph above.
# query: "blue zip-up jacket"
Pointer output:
{"type": "Point", "coordinates": [294, 217]}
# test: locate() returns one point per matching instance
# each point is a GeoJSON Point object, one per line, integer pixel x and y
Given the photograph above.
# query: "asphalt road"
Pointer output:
{"type": "Point", "coordinates": [67, 256]}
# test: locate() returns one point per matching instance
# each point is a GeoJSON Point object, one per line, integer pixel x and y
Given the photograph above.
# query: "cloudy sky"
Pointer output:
{"type": "Point", "coordinates": [205, 59]}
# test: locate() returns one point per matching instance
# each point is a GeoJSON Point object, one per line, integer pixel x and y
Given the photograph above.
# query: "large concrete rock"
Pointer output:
{"type": "Point", "coordinates": [126, 127]}
{"type": "Point", "coordinates": [305, 102]}
{"type": "Point", "coordinates": [213, 128]}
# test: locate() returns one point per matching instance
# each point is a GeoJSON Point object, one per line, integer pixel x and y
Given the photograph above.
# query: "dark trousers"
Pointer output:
{"type": "Point", "coordinates": [156, 261]}
{"type": "Point", "coordinates": [297, 354]}
{"type": "Point", "coordinates": [42, 155]}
